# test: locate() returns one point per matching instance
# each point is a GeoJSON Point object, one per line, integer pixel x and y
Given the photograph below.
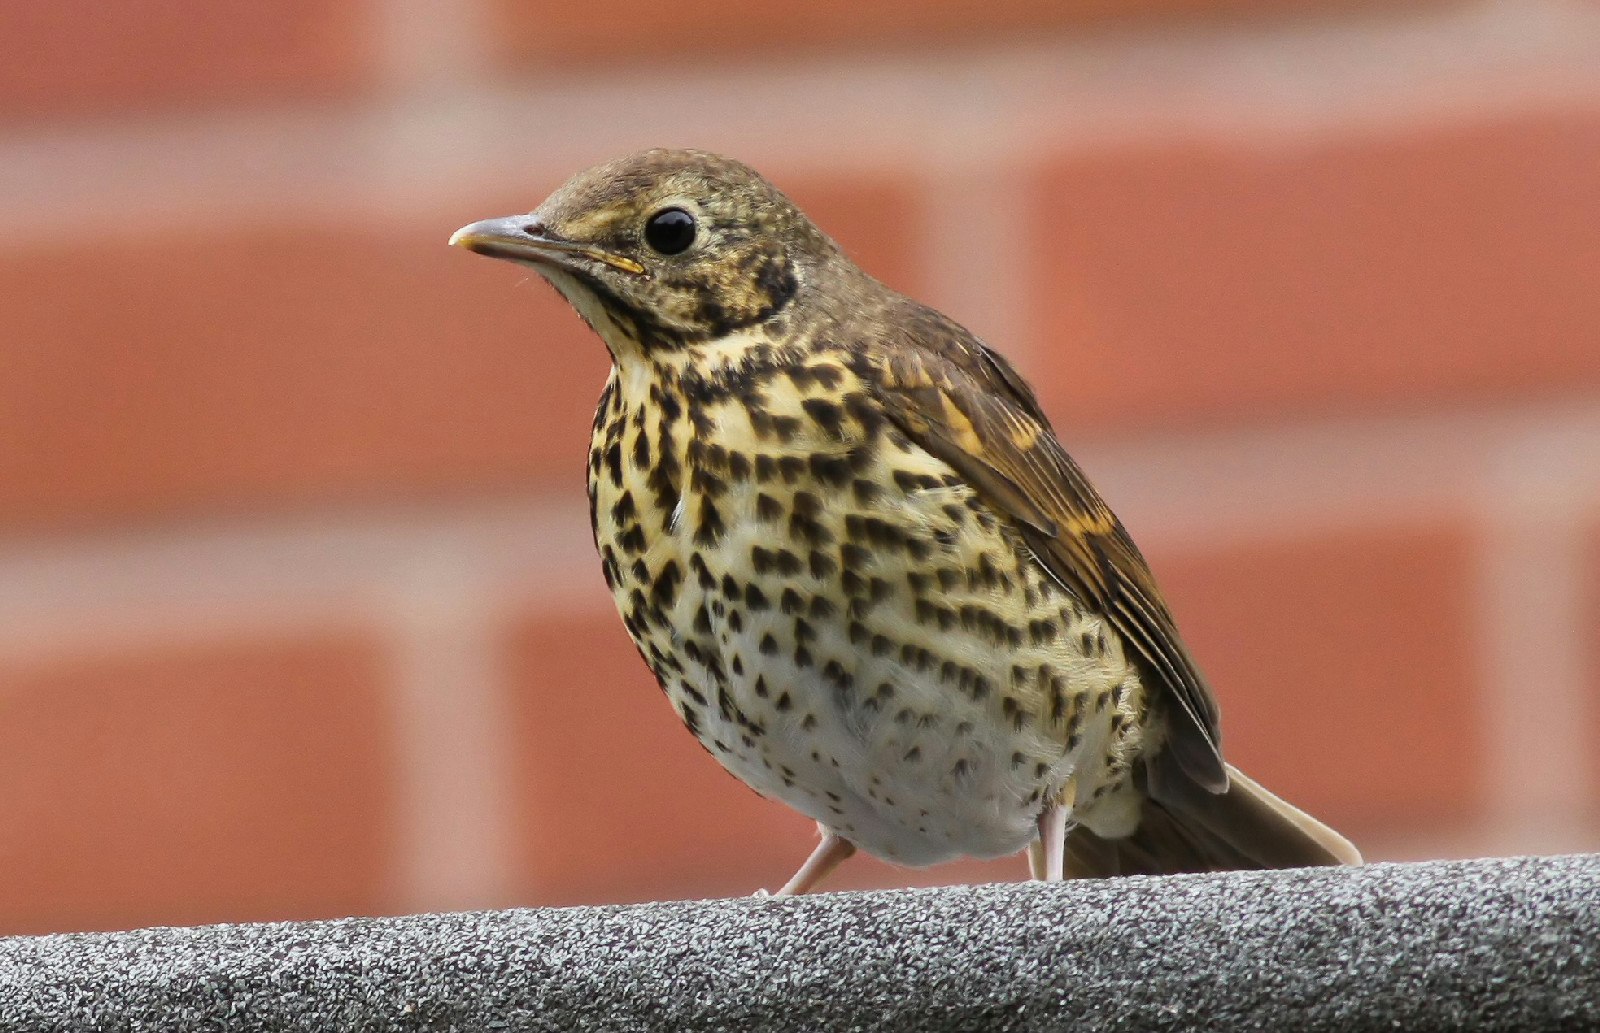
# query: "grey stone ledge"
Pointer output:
{"type": "Point", "coordinates": [1501, 944]}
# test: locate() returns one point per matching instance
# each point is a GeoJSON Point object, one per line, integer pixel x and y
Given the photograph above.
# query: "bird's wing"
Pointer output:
{"type": "Point", "coordinates": [967, 406]}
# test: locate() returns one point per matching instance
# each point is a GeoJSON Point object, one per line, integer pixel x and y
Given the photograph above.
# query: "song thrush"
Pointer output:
{"type": "Point", "coordinates": [849, 544]}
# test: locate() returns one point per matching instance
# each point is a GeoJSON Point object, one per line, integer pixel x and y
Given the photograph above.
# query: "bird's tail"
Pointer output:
{"type": "Point", "coordinates": [1192, 830]}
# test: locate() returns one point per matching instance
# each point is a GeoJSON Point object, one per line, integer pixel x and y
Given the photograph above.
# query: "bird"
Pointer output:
{"type": "Point", "coordinates": [845, 537]}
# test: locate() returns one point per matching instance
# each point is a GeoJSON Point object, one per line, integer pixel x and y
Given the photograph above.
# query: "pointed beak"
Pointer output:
{"type": "Point", "coordinates": [521, 238]}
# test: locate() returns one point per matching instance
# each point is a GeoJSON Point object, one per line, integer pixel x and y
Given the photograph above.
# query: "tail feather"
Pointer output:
{"type": "Point", "coordinates": [1185, 828]}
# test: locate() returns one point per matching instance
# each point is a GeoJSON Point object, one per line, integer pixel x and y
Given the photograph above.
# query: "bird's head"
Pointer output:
{"type": "Point", "coordinates": [663, 249]}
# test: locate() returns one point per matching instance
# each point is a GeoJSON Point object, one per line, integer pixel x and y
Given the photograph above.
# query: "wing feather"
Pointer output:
{"type": "Point", "coordinates": [966, 405]}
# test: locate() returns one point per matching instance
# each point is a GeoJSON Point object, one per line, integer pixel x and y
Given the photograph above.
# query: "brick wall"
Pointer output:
{"type": "Point", "coordinates": [297, 611]}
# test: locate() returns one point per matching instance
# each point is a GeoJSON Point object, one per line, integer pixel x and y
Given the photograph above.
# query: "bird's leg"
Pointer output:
{"type": "Point", "coordinates": [1046, 860]}
{"type": "Point", "coordinates": [1036, 860]}
{"type": "Point", "coordinates": [825, 858]}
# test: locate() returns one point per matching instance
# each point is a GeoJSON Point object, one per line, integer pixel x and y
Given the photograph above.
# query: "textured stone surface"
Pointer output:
{"type": "Point", "coordinates": [1495, 944]}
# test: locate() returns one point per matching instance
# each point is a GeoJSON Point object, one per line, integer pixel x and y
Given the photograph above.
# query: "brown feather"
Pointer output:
{"type": "Point", "coordinates": [1245, 827]}
{"type": "Point", "coordinates": [967, 406]}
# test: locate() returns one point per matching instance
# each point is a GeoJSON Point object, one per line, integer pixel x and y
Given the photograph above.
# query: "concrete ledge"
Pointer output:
{"type": "Point", "coordinates": [1477, 945]}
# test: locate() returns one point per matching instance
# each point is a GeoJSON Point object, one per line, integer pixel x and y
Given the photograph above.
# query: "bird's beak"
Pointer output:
{"type": "Point", "coordinates": [521, 238]}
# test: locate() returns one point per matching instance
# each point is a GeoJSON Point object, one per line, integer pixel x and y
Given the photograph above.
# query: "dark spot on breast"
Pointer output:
{"type": "Point", "coordinates": [703, 576]}
{"type": "Point", "coordinates": [830, 377]}
{"type": "Point", "coordinates": [710, 529]}
{"type": "Point", "coordinates": [808, 530]}
{"type": "Point", "coordinates": [928, 612]}
{"type": "Point", "coordinates": [831, 470]}
{"type": "Point", "coordinates": [614, 464]}
{"type": "Point", "coordinates": [865, 412]}
{"type": "Point", "coordinates": [632, 540]}
{"type": "Point", "coordinates": [827, 415]}
{"type": "Point", "coordinates": [624, 511]}
{"type": "Point", "coordinates": [784, 428]}
{"type": "Point", "coordinates": [707, 483]}
{"type": "Point", "coordinates": [908, 482]}
{"type": "Point", "coordinates": [666, 401]}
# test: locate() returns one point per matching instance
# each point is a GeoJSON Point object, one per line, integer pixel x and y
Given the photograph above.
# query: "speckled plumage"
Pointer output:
{"type": "Point", "coordinates": [847, 542]}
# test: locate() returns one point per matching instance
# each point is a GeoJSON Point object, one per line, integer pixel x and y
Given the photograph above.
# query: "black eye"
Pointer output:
{"type": "Point", "coordinates": [670, 231]}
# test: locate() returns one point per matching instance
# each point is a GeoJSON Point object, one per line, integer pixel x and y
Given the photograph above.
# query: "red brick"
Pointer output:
{"type": "Point", "coordinates": [236, 781]}
{"type": "Point", "coordinates": [623, 804]}
{"type": "Point", "coordinates": [1185, 282]}
{"type": "Point", "coordinates": [75, 57]}
{"type": "Point", "coordinates": [270, 365]}
{"type": "Point", "coordinates": [1345, 668]}
{"type": "Point", "coordinates": [556, 34]}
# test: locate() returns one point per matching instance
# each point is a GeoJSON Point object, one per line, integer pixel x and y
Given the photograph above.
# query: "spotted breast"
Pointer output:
{"type": "Point", "coordinates": [841, 620]}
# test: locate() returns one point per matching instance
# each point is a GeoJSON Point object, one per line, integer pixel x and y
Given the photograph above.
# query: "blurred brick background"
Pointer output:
{"type": "Point", "coordinates": [297, 611]}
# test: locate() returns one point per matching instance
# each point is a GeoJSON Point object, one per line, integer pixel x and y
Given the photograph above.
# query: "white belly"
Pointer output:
{"type": "Point", "coordinates": [882, 725]}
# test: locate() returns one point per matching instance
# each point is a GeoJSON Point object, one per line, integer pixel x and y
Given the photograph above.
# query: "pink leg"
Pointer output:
{"type": "Point", "coordinates": [824, 859]}
{"type": "Point", "coordinates": [1045, 854]}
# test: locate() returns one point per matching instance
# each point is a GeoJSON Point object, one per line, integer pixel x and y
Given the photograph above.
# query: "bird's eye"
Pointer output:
{"type": "Point", "coordinates": [670, 231]}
